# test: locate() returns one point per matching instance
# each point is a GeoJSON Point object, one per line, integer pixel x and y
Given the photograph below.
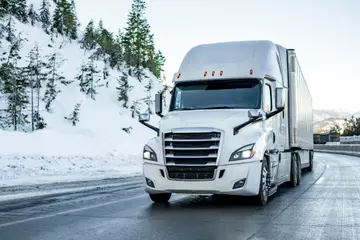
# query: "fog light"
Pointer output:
{"type": "Point", "coordinates": [239, 184]}
{"type": "Point", "coordinates": [150, 183]}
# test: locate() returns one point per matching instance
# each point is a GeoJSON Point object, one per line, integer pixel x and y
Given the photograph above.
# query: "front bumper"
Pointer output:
{"type": "Point", "coordinates": [220, 185]}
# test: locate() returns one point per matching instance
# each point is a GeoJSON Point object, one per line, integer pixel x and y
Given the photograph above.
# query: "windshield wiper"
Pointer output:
{"type": "Point", "coordinates": [219, 107]}
{"type": "Point", "coordinates": [188, 108]}
{"type": "Point", "coordinates": [193, 108]}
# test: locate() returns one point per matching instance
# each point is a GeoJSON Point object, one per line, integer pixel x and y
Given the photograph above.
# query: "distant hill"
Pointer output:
{"type": "Point", "coordinates": [324, 119]}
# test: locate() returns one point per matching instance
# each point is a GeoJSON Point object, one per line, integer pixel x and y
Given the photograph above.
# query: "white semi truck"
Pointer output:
{"type": "Point", "coordinates": [239, 123]}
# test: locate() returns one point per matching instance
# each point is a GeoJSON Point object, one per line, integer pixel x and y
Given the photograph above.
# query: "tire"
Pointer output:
{"type": "Point", "coordinates": [294, 169]}
{"type": "Point", "coordinates": [311, 162]}
{"type": "Point", "coordinates": [263, 195]}
{"type": "Point", "coordinates": [160, 198]}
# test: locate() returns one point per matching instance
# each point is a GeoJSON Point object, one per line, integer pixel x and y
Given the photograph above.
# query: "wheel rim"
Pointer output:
{"type": "Point", "coordinates": [264, 183]}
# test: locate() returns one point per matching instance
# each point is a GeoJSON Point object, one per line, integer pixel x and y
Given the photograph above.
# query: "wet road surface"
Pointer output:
{"type": "Point", "coordinates": [325, 206]}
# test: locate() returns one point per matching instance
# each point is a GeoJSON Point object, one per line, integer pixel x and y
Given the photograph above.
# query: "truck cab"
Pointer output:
{"type": "Point", "coordinates": [230, 126]}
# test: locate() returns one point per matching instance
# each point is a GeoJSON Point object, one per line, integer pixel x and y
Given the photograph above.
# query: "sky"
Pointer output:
{"type": "Point", "coordinates": [324, 33]}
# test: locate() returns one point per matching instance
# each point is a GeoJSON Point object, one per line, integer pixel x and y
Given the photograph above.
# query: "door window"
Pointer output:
{"type": "Point", "coordinates": [267, 99]}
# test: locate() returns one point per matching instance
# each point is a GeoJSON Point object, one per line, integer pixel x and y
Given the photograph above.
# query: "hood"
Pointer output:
{"type": "Point", "coordinates": [216, 118]}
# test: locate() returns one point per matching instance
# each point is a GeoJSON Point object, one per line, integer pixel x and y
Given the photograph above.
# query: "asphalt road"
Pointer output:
{"type": "Point", "coordinates": [325, 206]}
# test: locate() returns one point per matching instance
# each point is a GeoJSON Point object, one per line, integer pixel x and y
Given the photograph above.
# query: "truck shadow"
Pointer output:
{"type": "Point", "coordinates": [284, 195]}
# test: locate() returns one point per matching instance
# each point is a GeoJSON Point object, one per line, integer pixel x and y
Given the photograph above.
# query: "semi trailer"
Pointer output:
{"type": "Point", "coordinates": [239, 122]}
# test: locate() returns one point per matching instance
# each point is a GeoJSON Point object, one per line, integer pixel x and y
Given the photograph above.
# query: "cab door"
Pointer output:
{"type": "Point", "coordinates": [276, 125]}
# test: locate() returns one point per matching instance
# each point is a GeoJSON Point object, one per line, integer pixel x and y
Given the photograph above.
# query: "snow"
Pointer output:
{"type": "Point", "coordinates": [97, 147]}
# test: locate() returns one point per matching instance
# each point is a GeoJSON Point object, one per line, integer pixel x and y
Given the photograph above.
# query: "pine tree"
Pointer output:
{"type": "Point", "coordinates": [99, 29]}
{"type": "Point", "coordinates": [88, 79]}
{"type": "Point", "coordinates": [74, 116]}
{"type": "Point", "coordinates": [160, 62]}
{"type": "Point", "coordinates": [18, 8]}
{"type": "Point", "coordinates": [39, 121]}
{"type": "Point", "coordinates": [89, 39]}
{"type": "Point", "coordinates": [36, 76]}
{"type": "Point", "coordinates": [4, 8]}
{"type": "Point", "coordinates": [10, 30]}
{"type": "Point", "coordinates": [18, 99]}
{"type": "Point", "coordinates": [34, 17]}
{"type": "Point", "coordinates": [106, 74]}
{"type": "Point", "coordinates": [73, 21]}
{"type": "Point", "coordinates": [123, 90]}
{"type": "Point", "coordinates": [149, 61]}
{"type": "Point", "coordinates": [58, 19]}
{"type": "Point", "coordinates": [116, 53]}
{"type": "Point", "coordinates": [148, 89]}
{"type": "Point", "coordinates": [29, 74]}
{"type": "Point", "coordinates": [105, 40]}
{"type": "Point", "coordinates": [135, 110]}
{"type": "Point", "coordinates": [135, 36]}
{"type": "Point", "coordinates": [81, 77]}
{"type": "Point", "coordinates": [64, 20]}
{"type": "Point", "coordinates": [138, 42]}
{"type": "Point", "coordinates": [14, 87]}
{"type": "Point", "coordinates": [54, 61]}
{"type": "Point", "coordinates": [45, 17]}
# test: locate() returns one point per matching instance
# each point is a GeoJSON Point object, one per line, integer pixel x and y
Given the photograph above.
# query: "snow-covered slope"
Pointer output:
{"type": "Point", "coordinates": [325, 125]}
{"type": "Point", "coordinates": [324, 119]}
{"type": "Point", "coordinates": [98, 144]}
{"type": "Point", "coordinates": [321, 114]}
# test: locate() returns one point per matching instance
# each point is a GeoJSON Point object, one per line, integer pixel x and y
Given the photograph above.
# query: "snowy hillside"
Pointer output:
{"type": "Point", "coordinates": [321, 114]}
{"type": "Point", "coordinates": [325, 125]}
{"type": "Point", "coordinates": [324, 119]}
{"type": "Point", "coordinates": [107, 139]}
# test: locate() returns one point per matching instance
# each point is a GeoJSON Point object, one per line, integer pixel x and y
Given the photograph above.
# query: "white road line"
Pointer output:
{"type": "Point", "coordinates": [70, 211]}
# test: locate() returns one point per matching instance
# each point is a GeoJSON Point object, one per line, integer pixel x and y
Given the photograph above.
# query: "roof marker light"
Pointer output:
{"type": "Point", "coordinates": [205, 73]}
{"type": "Point", "coordinates": [251, 72]}
{"type": "Point", "coordinates": [179, 75]}
{"type": "Point", "coordinates": [213, 73]}
{"type": "Point", "coordinates": [221, 73]}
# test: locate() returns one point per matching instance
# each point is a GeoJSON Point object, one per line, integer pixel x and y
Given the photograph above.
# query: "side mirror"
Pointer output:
{"type": "Point", "coordinates": [158, 104]}
{"type": "Point", "coordinates": [144, 117]}
{"type": "Point", "coordinates": [254, 113]}
{"type": "Point", "coordinates": [280, 98]}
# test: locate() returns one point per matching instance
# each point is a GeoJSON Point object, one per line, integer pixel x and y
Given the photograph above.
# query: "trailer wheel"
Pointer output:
{"type": "Point", "coordinates": [160, 198]}
{"type": "Point", "coordinates": [263, 195]}
{"type": "Point", "coordinates": [294, 170]}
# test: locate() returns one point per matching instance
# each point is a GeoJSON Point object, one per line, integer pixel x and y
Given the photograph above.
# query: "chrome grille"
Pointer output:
{"type": "Point", "coordinates": [192, 148]}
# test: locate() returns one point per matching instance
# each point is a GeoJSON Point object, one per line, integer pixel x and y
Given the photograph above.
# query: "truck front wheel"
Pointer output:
{"type": "Point", "coordinates": [263, 195]}
{"type": "Point", "coordinates": [160, 198]}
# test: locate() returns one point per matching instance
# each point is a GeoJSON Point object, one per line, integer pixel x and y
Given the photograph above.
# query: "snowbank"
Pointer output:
{"type": "Point", "coordinates": [107, 142]}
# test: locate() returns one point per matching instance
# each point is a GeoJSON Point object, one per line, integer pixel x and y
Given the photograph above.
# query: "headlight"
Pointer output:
{"type": "Point", "coordinates": [149, 154]}
{"type": "Point", "coordinates": [245, 152]}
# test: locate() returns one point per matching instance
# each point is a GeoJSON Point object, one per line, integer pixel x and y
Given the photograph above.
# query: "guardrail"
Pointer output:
{"type": "Point", "coordinates": [338, 148]}
{"type": "Point", "coordinates": [343, 149]}
{"type": "Point", "coordinates": [350, 139]}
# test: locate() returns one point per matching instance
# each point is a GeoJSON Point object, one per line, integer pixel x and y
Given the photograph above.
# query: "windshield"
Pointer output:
{"type": "Point", "coordinates": [241, 94]}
